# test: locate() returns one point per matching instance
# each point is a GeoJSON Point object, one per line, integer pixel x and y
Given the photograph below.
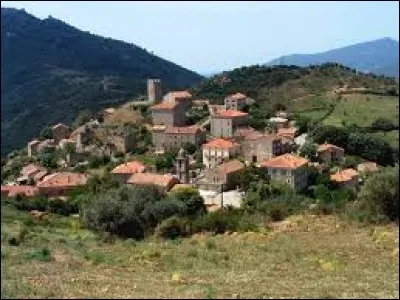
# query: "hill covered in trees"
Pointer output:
{"type": "Point", "coordinates": [272, 85]}
{"type": "Point", "coordinates": [379, 57]}
{"type": "Point", "coordinates": [50, 71]}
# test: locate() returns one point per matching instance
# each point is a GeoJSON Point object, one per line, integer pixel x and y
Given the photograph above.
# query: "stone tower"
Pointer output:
{"type": "Point", "coordinates": [182, 166]}
{"type": "Point", "coordinates": [154, 92]}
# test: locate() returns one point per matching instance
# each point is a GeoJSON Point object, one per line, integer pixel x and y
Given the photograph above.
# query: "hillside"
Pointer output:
{"type": "Point", "coordinates": [379, 57]}
{"type": "Point", "coordinates": [287, 84]}
{"type": "Point", "coordinates": [50, 71]}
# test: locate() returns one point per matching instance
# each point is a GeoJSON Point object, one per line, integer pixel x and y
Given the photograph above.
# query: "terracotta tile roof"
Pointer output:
{"type": "Point", "coordinates": [237, 96]}
{"type": "Point", "coordinates": [344, 175]}
{"type": "Point", "coordinates": [230, 113]}
{"type": "Point", "coordinates": [328, 147]}
{"type": "Point", "coordinates": [180, 94]}
{"type": "Point", "coordinates": [165, 105]}
{"type": "Point", "coordinates": [162, 180]}
{"type": "Point", "coordinates": [220, 144]}
{"type": "Point", "coordinates": [31, 169]}
{"type": "Point", "coordinates": [245, 131]}
{"type": "Point", "coordinates": [26, 190]}
{"type": "Point", "coordinates": [289, 132]}
{"type": "Point", "coordinates": [285, 161]}
{"type": "Point", "coordinates": [183, 130]}
{"type": "Point", "coordinates": [63, 179]}
{"type": "Point", "coordinates": [40, 175]}
{"type": "Point", "coordinates": [230, 167]}
{"type": "Point", "coordinates": [131, 167]}
{"type": "Point", "coordinates": [368, 166]}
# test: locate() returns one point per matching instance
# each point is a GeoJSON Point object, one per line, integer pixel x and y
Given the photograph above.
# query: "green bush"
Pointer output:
{"type": "Point", "coordinates": [378, 199]}
{"type": "Point", "coordinates": [172, 228]}
{"type": "Point", "coordinates": [131, 212]}
{"type": "Point", "coordinates": [192, 200]}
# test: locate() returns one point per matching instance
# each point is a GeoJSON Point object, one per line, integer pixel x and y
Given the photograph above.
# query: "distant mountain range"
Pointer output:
{"type": "Point", "coordinates": [380, 57]}
{"type": "Point", "coordinates": [50, 71]}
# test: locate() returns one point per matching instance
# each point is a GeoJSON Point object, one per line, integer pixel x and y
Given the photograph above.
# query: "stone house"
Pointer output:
{"type": "Point", "coordinates": [225, 175]}
{"type": "Point", "coordinates": [58, 184]}
{"type": "Point", "coordinates": [169, 113]}
{"type": "Point", "coordinates": [60, 131]}
{"type": "Point", "coordinates": [288, 168]}
{"type": "Point", "coordinates": [235, 101]}
{"type": "Point", "coordinates": [33, 148]}
{"type": "Point", "coordinates": [46, 146]}
{"type": "Point", "coordinates": [163, 182]}
{"type": "Point", "coordinates": [31, 172]}
{"type": "Point", "coordinates": [328, 153]}
{"type": "Point", "coordinates": [258, 148]}
{"type": "Point", "coordinates": [347, 178]}
{"type": "Point", "coordinates": [167, 138]}
{"type": "Point", "coordinates": [218, 151]}
{"type": "Point", "coordinates": [124, 171]}
{"type": "Point", "coordinates": [224, 123]}
{"type": "Point", "coordinates": [183, 98]}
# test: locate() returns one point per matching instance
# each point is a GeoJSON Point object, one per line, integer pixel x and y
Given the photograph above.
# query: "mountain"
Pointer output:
{"type": "Point", "coordinates": [50, 71]}
{"type": "Point", "coordinates": [379, 57]}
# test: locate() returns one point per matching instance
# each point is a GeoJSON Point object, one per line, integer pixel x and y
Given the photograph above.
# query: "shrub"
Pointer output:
{"type": "Point", "coordinates": [172, 228]}
{"type": "Point", "coordinates": [131, 212]}
{"type": "Point", "coordinates": [194, 203]}
{"type": "Point", "coordinates": [379, 197]}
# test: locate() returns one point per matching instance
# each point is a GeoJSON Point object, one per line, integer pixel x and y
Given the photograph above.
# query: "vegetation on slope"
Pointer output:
{"type": "Point", "coordinates": [50, 71]}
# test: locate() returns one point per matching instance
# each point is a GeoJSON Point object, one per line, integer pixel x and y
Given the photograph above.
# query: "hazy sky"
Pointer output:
{"type": "Point", "coordinates": [214, 36]}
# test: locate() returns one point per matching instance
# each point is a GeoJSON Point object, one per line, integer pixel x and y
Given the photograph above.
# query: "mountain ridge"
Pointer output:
{"type": "Point", "coordinates": [50, 68]}
{"type": "Point", "coordinates": [379, 56]}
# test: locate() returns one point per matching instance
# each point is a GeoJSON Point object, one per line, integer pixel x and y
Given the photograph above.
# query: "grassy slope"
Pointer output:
{"type": "Point", "coordinates": [314, 258]}
{"type": "Point", "coordinates": [364, 109]}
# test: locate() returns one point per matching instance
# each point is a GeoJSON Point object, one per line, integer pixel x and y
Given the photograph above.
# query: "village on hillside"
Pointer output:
{"type": "Point", "coordinates": [210, 153]}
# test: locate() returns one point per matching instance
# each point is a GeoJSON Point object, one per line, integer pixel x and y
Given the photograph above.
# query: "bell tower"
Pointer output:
{"type": "Point", "coordinates": [182, 166]}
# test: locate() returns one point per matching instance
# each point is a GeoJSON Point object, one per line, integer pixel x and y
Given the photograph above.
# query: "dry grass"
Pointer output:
{"type": "Point", "coordinates": [304, 256]}
{"type": "Point", "coordinates": [124, 114]}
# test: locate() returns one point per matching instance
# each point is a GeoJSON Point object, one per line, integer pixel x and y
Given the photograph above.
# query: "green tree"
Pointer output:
{"type": "Point", "coordinates": [46, 133]}
{"type": "Point", "coordinates": [191, 198]}
{"type": "Point", "coordinates": [83, 117]}
{"type": "Point", "coordinates": [309, 151]}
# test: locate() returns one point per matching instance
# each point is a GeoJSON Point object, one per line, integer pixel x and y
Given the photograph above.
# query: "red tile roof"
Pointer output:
{"type": "Point", "coordinates": [131, 167]}
{"type": "Point", "coordinates": [220, 144]}
{"type": "Point", "coordinates": [30, 169]}
{"type": "Point", "coordinates": [40, 175]}
{"type": "Point", "coordinates": [162, 180]}
{"type": "Point", "coordinates": [237, 96]}
{"type": "Point", "coordinates": [230, 167]}
{"type": "Point", "coordinates": [230, 113]}
{"type": "Point", "coordinates": [180, 94]}
{"type": "Point", "coordinates": [25, 190]}
{"type": "Point", "coordinates": [285, 161]}
{"type": "Point", "coordinates": [344, 175]}
{"type": "Point", "coordinates": [183, 130]}
{"type": "Point", "coordinates": [63, 179]}
{"type": "Point", "coordinates": [290, 131]}
{"type": "Point", "coordinates": [165, 105]}
{"type": "Point", "coordinates": [328, 147]}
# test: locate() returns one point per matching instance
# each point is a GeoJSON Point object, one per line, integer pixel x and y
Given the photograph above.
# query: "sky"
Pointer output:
{"type": "Point", "coordinates": [213, 36]}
